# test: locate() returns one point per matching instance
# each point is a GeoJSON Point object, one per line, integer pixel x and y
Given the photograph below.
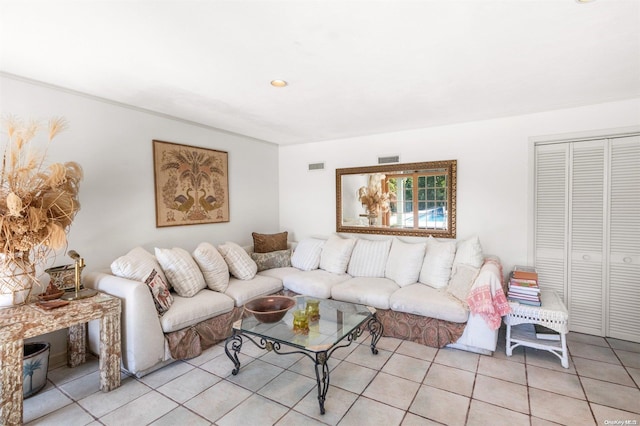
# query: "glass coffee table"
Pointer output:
{"type": "Point", "coordinates": [340, 324]}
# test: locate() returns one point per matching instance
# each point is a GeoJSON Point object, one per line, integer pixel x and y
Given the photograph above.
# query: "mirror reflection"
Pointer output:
{"type": "Point", "coordinates": [400, 199]}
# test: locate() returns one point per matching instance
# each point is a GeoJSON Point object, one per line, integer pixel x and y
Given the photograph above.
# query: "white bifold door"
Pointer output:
{"type": "Point", "coordinates": [587, 231]}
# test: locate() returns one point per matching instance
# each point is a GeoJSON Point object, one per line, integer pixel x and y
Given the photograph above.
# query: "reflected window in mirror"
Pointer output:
{"type": "Point", "coordinates": [418, 200]}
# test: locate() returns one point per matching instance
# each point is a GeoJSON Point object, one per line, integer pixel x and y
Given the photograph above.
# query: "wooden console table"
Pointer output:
{"type": "Point", "coordinates": [23, 322]}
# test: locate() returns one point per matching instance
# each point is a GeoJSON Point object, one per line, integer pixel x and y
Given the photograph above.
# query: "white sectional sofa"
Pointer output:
{"type": "Point", "coordinates": [433, 292]}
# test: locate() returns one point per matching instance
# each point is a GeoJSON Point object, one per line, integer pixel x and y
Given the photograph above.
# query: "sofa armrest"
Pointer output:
{"type": "Point", "coordinates": [490, 272]}
{"type": "Point", "coordinates": [486, 297]}
{"type": "Point", "coordinates": [142, 339]}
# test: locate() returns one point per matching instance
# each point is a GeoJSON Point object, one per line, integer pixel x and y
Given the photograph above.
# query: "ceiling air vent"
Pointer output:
{"type": "Point", "coordinates": [316, 166]}
{"type": "Point", "coordinates": [390, 159]}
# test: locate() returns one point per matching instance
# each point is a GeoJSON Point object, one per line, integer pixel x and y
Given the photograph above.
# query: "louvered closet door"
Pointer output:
{"type": "Point", "coordinates": [551, 188]}
{"type": "Point", "coordinates": [624, 239]}
{"type": "Point", "coordinates": [587, 203]}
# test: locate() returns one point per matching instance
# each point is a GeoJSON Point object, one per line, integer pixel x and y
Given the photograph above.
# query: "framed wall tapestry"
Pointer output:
{"type": "Point", "coordinates": [191, 184]}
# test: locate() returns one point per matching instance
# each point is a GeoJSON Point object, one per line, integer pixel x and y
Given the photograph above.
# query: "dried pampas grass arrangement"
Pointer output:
{"type": "Point", "coordinates": [373, 199]}
{"type": "Point", "coordinates": [37, 202]}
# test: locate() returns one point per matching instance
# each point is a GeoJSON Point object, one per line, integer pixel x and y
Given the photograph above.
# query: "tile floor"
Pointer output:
{"type": "Point", "coordinates": [405, 384]}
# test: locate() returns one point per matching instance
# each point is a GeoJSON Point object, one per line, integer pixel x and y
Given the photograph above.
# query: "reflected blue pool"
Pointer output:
{"type": "Point", "coordinates": [433, 218]}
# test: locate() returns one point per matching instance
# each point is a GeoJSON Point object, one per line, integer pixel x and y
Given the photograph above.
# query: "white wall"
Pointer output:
{"type": "Point", "coordinates": [494, 165]}
{"type": "Point", "coordinates": [113, 145]}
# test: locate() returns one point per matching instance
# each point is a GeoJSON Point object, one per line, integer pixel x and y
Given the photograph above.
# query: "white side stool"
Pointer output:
{"type": "Point", "coordinates": [552, 314]}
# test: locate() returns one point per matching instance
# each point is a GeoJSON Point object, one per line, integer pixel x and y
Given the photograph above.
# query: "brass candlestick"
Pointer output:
{"type": "Point", "coordinates": [78, 293]}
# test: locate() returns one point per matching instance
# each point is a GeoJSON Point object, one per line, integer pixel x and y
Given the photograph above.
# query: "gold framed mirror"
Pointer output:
{"type": "Point", "coordinates": [413, 199]}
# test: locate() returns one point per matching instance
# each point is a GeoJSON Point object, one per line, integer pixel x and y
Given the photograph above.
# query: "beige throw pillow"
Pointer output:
{"type": "Point", "coordinates": [436, 268]}
{"type": "Point", "coordinates": [306, 255]}
{"type": "Point", "coordinates": [136, 265]}
{"type": "Point", "coordinates": [213, 266]}
{"type": "Point", "coordinates": [461, 281]}
{"type": "Point", "coordinates": [181, 270]}
{"type": "Point", "coordinates": [272, 260]}
{"type": "Point", "coordinates": [469, 252]}
{"type": "Point", "coordinates": [335, 255]}
{"type": "Point", "coordinates": [240, 263]}
{"type": "Point", "coordinates": [369, 258]}
{"type": "Point", "coordinates": [404, 262]}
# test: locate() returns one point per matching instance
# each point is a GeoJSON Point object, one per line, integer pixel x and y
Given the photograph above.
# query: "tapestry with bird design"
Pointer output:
{"type": "Point", "coordinates": [191, 184]}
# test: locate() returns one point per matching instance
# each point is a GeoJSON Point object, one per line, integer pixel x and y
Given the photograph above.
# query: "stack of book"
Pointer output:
{"type": "Point", "coordinates": [523, 286]}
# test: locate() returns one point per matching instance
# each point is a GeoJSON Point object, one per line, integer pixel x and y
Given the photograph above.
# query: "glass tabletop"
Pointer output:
{"type": "Point", "coordinates": [337, 320]}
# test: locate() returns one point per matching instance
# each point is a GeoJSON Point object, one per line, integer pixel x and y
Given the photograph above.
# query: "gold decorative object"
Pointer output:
{"type": "Point", "coordinates": [78, 293]}
{"type": "Point", "coordinates": [37, 205]}
{"type": "Point", "coordinates": [300, 322]}
{"type": "Point", "coordinates": [313, 310]}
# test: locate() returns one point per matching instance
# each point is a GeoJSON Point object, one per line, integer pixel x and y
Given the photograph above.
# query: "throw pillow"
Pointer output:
{"type": "Point", "coordinates": [181, 270]}
{"type": "Point", "coordinates": [306, 256]}
{"type": "Point", "coordinates": [461, 281]}
{"type": "Point", "coordinates": [436, 269]}
{"type": "Point", "coordinates": [136, 265]}
{"type": "Point", "coordinates": [369, 258]}
{"type": "Point", "coordinates": [240, 263]}
{"type": "Point", "coordinates": [469, 252]}
{"type": "Point", "coordinates": [159, 291]}
{"type": "Point", "coordinates": [404, 262]}
{"type": "Point", "coordinates": [266, 243]}
{"type": "Point", "coordinates": [213, 267]}
{"type": "Point", "coordinates": [271, 260]}
{"type": "Point", "coordinates": [336, 253]}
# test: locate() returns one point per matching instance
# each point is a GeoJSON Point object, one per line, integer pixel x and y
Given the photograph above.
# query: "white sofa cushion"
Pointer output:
{"type": "Point", "coordinates": [279, 273]}
{"type": "Point", "coordinates": [136, 265]}
{"type": "Point", "coordinates": [187, 311]}
{"type": "Point", "coordinates": [306, 255]}
{"type": "Point", "coordinates": [404, 262]}
{"type": "Point", "coordinates": [461, 281]}
{"type": "Point", "coordinates": [427, 301]}
{"type": "Point", "coordinates": [335, 255]}
{"type": "Point", "coordinates": [240, 263]}
{"type": "Point", "coordinates": [369, 258]}
{"type": "Point", "coordinates": [316, 283]}
{"type": "Point", "coordinates": [436, 268]}
{"type": "Point", "coordinates": [214, 269]}
{"type": "Point", "coordinates": [374, 292]}
{"type": "Point", "coordinates": [183, 273]}
{"type": "Point", "coordinates": [260, 285]}
{"type": "Point", "coordinates": [469, 252]}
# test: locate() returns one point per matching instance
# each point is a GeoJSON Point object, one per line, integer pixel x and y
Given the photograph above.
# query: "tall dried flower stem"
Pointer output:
{"type": "Point", "coordinates": [37, 203]}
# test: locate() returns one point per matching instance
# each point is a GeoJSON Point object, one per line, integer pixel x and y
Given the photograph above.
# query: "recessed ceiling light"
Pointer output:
{"type": "Point", "coordinates": [585, 1]}
{"type": "Point", "coordinates": [279, 83]}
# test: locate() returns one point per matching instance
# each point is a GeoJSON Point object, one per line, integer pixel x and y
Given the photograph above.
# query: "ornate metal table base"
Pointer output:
{"type": "Point", "coordinates": [233, 346]}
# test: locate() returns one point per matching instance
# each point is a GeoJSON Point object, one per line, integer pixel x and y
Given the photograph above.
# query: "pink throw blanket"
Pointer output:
{"type": "Point", "coordinates": [487, 298]}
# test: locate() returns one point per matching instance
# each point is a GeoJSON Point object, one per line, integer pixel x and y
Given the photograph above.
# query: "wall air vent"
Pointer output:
{"type": "Point", "coordinates": [316, 166]}
{"type": "Point", "coordinates": [389, 159]}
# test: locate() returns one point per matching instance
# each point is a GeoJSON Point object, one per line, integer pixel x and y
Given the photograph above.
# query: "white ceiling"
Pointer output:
{"type": "Point", "coordinates": [353, 67]}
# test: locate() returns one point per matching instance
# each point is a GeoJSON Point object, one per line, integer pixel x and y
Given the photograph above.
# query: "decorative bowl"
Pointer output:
{"type": "Point", "coordinates": [269, 308]}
